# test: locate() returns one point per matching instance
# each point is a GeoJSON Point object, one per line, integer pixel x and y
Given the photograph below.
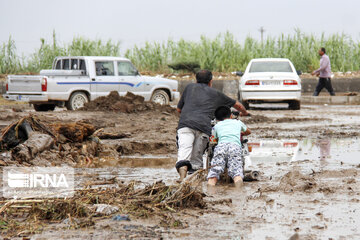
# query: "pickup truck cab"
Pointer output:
{"type": "Point", "coordinates": [73, 81]}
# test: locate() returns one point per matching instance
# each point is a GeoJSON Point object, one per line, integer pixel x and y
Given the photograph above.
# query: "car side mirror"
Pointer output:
{"type": "Point", "coordinates": [298, 72]}
{"type": "Point", "coordinates": [137, 73]}
{"type": "Point", "coordinates": [240, 74]}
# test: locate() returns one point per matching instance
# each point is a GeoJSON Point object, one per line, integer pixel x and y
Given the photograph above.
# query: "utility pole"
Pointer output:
{"type": "Point", "coordinates": [262, 30]}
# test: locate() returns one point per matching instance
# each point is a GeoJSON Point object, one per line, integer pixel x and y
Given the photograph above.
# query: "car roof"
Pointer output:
{"type": "Point", "coordinates": [96, 58]}
{"type": "Point", "coordinates": [270, 60]}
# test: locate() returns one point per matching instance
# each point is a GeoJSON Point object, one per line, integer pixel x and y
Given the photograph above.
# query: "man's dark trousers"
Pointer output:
{"type": "Point", "coordinates": [324, 82]}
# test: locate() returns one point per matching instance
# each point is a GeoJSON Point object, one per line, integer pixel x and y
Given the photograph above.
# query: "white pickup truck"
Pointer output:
{"type": "Point", "coordinates": [73, 81]}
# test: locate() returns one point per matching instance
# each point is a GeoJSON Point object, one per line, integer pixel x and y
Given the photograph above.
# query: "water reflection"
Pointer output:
{"type": "Point", "coordinates": [324, 145]}
{"type": "Point", "coordinates": [330, 152]}
{"type": "Point", "coordinates": [273, 150]}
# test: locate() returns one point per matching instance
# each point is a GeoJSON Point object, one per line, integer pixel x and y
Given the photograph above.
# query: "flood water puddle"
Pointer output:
{"type": "Point", "coordinates": [323, 152]}
{"type": "Point", "coordinates": [266, 156]}
{"type": "Point", "coordinates": [328, 209]}
{"type": "Point", "coordinates": [331, 150]}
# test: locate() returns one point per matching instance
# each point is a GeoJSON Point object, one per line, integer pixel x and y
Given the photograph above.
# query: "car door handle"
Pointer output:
{"type": "Point", "coordinates": [93, 79]}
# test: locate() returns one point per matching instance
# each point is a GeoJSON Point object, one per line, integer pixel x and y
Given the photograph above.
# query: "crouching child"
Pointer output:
{"type": "Point", "coordinates": [228, 151]}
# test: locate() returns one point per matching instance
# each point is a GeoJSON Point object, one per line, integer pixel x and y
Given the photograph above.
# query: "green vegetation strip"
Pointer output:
{"type": "Point", "coordinates": [222, 53]}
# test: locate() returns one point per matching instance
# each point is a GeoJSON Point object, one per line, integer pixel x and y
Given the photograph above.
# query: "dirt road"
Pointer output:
{"type": "Point", "coordinates": [309, 161]}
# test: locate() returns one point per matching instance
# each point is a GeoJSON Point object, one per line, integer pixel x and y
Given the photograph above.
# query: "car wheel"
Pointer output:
{"type": "Point", "coordinates": [76, 101]}
{"type": "Point", "coordinates": [245, 104]}
{"type": "Point", "coordinates": [160, 97]}
{"type": "Point", "coordinates": [44, 107]}
{"type": "Point", "coordinates": [294, 105]}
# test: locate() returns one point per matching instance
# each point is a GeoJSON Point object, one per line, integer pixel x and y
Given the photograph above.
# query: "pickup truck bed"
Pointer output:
{"type": "Point", "coordinates": [86, 79]}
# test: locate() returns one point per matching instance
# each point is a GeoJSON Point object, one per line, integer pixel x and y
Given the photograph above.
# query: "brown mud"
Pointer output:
{"type": "Point", "coordinates": [311, 191]}
{"type": "Point", "coordinates": [129, 103]}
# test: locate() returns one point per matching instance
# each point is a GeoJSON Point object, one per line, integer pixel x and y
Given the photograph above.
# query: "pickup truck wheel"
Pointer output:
{"type": "Point", "coordinates": [76, 101]}
{"type": "Point", "coordinates": [294, 105]}
{"type": "Point", "coordinates": [160, 97]}
{"type": "Point", "coordinates": [44, 107]}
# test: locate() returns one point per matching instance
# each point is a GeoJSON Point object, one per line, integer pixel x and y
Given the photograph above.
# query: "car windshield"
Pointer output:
{"type": "Point", "coordinates": [267, 66]}
{"type": "Point", "coordinates": [126, 69]}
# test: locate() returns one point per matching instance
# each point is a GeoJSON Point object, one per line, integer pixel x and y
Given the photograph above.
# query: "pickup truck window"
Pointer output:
{"type": "Point", "coordinates": [104, 68]}
{"type": "Point", "coordinates": [126, 69]}
{"type": "Point", "coordinates": [82, 65]}
{"type": "Point", "coordinates": [58, 64]}
{"type": "Point", "coordinates": [74, 64]}
{"type": "Point", "coordinates": [65, 64]}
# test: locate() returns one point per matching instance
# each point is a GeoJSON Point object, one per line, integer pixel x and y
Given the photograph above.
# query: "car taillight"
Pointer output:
{"type": "Point", "coordinates": [44, 84]}
{"type": "Point", "coordinates": [7, 86]}
{"type": "Point", "coordinates": [290, 144]}
{"type": "Point", "coordinates": [254, 144]}
{"type": "Point", "coordinates": [252, 82]}
{"type": "Point", "coordinates": [290, 82]}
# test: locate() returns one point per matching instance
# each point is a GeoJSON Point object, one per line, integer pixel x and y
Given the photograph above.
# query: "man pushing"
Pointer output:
{"type": "Point", "coordinates": [197, 106]}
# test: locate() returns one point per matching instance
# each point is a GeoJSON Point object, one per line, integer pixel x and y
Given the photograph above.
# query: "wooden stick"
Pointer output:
{"type": "Point", "coordinates": [8, 204]}
{"type": "Point", "coordinates": [171, 209]}
{"type": "Point", "coordinates": [25, 200]}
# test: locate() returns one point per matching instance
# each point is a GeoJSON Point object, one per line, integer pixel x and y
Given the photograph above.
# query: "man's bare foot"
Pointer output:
{"type": "Point", "coordinates": [182, 172]}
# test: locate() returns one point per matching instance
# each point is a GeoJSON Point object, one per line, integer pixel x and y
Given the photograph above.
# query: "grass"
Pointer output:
{"type": "Point", "coordinates": [42, 58]}
{"type": "Point", "coordinates": [221, 54]}
{"type": "Point", "coordinates": [224, 53]}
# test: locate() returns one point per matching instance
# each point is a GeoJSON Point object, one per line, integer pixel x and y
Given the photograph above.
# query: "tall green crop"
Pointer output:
{"type": "Point", "coordinates": [44, 56]}
{"type": "Point", "coordinates": [222, 53]}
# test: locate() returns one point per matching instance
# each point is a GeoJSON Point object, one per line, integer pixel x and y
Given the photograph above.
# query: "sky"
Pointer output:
{"type": "Point", "coordinates": [136, 21]}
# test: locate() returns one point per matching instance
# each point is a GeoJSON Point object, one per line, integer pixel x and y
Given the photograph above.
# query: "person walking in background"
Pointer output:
{"type": "Point", "coordinates": [324, 73]}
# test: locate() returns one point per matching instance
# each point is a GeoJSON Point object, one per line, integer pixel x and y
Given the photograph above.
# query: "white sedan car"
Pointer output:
{"type": "Point", "coordinates": [272, 80]}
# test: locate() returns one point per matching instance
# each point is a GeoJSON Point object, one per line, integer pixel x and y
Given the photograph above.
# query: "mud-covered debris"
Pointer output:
{"type": "Point", "coordinates": [101, 134]}
{"type": "Point", "coordinates": [296, 181]}
{"type": "Point", "coordinates": [26, 138]}
{"type": "Point", "coordinates": [129, 103]}
{"type": "Point", "coordinates": [351, 94]}
{"type": "Point", "coordinates": [19, 131]}
{"type": "Point", "coordinates": [36, 143]}
{"type": "Point", "coordinates": [71, 221]}
{"type": "Point", "coordinates": [121, 218]}
{"type": "Point", "coordinates": [74, 131]}
{"type": "Point", "coordinates": [133, 147]}
{"type": "Point", "coordinates": [295, 119]}
{"type": "Point", "coordinates": [7, 116]}
{"type": "Point", "coordinates": [105, 209]}
{"type": "Point", "coordinates": [31, 139]}
{"type": "Point", "coordinates": [157, 199]}
{"type": "Point", "coordinates": [255, 119]}
{"type": "Point", "coordinates": [260, 119]}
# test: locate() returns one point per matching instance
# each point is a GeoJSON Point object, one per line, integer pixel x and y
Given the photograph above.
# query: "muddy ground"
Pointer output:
{"type": "Point", "coordinates": [308, 191]}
